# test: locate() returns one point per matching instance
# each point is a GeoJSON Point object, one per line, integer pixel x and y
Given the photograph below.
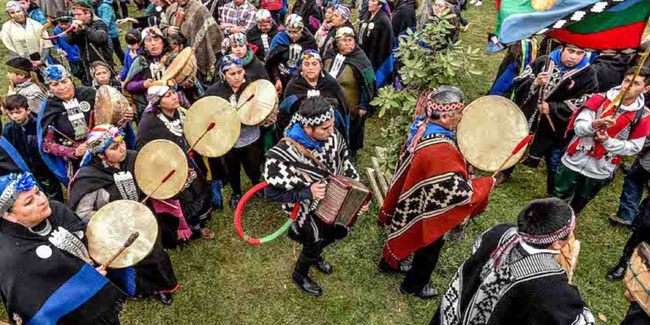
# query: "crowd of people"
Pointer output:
{"type": "Point", "coordinates": [59, 167]}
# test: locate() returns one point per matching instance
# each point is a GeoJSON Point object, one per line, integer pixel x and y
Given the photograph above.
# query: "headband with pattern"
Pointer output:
{"type": "Point", "coordinates": [314, 120]}
{"type": "Point", "coordinates": [552, 237]}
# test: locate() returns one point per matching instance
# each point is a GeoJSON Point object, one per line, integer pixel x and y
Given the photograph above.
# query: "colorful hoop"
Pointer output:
{"type": "Point", "coordinates": [240, 210]}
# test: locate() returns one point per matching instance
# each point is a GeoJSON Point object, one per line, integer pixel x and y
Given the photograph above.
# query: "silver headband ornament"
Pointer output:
{"type": "Point", "coordinates": [315, 120]}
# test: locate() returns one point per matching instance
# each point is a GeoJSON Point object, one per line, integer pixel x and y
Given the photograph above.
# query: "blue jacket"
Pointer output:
{"type": "Point", "coordinates": [106, 13]}
{"type": "Point", "coordinates": [71, 50]}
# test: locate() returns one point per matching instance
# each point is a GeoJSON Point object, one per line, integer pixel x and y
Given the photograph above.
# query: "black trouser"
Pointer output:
{"type": "Point", "coordinates": [251, 158]}
{"type": "Point", "coordinates": [640, 234]}
{"type": "Point", "coordinates": [311, 253]}
{"type": "Point", "coordinates": [424, 262]}
{"type": "Point", "coordinates": [117, 48]}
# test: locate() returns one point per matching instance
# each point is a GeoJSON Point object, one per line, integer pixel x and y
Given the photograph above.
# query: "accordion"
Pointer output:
{"type": "Point", "coordinates": [344, 198]}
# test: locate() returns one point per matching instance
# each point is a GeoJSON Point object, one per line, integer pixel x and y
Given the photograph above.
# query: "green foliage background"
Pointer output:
{"type": "Point", "coordinates": [226, 281]}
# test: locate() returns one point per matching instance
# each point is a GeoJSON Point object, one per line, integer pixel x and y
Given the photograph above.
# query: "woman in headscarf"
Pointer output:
{"type": "Point", "coordinates": [340, 18]}
{"type": "Point", "coordinates": [286, 47]}
{"type": "Point", "coordinates": [148, 67]}
{"type": "Point", "coordinates": [376, 39]}
{"type": "Point", "coordinates": [237, 44]}
{"type": "Point", "coordinates": [107, 175]}
{"type": "Point", "coordinates": [349, 65]}
{"type": "Point", "coordinates": [247, 152]}
{"type": "Point", "coordinates": [163, 119]}
{"type": "Point", "coordinates": [62, 125]}
{"type": "Point", "coordinates": [262, 33]}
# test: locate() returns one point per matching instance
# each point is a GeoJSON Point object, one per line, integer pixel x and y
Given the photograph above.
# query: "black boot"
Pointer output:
{"type": "Point", "coordinates": [425, 293]}
{"type": "Point", "coordinates": [301, 277]}
{"type": "Point", "coordinates": [618, 271]}
{"type": "Point", "coordinates": [323, 266]}
{"type": "Point", "coordinates": [165, 298]}
{"type": "Point", "coordinates": [384, 267]}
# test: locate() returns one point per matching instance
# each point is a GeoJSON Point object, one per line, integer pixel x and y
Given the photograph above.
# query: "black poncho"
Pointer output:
{"type": "Point", "coordinates": [298, 89]}
{"type": "Point", "coordinates": [254, 36]}
{"type": "Point", "coordinates": [531, 288]}
{"type": "Point", "coordinates": [43, 284]}
{"type": "Point", "coordinates": [154, 273]}
{"type": "Point", "coordinates": [194, 200]}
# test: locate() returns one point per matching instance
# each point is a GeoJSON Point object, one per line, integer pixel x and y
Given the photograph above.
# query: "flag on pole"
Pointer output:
{"type": "Point", "coordinates": [571, 21]}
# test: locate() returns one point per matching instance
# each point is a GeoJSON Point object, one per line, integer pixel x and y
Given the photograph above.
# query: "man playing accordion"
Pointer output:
{"type": "Point", "coordinates": [296, 169]}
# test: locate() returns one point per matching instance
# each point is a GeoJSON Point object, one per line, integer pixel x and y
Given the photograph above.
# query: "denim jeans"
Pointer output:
{"type": "Point", "coordinates": [635, 183]}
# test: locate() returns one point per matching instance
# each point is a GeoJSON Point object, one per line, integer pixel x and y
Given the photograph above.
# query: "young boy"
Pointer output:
{"type": "Point", "coordinates": [601, 138]}
{"type": "Point", "coordinates": [21, 133]}
{"type": "Point", "coordinates": [133, 39]}
{"type": "Point", "coordinates": [101, 75]}
{"type": "Point", "coordinates": [22, 79]}
{"type": "Point", "coordinates": [64, 49]}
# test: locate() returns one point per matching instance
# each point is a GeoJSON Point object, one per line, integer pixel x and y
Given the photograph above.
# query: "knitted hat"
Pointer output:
{"type": "Point", "coordinates": [294, 21]}
{"type": "Point", "coordinates": [99, 138]}
{"type": "Point", "coordinates": [263, 15]}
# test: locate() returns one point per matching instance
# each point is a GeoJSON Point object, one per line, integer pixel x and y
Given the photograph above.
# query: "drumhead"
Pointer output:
{"type": "Point", "coordinates": [110, 105]}
{"type": "Point", "coordinates": [112, 225]}
{"type": "Point", "coordinates": [218, 141]}
{"type": "Point", "coordinates": [637, 277]}
{"type": "Point", "coordinates": [263, 104]}
{"type": "Point", "coordinates": [154, 162]}
{"type": "Point", "coordinates": [491, 127]}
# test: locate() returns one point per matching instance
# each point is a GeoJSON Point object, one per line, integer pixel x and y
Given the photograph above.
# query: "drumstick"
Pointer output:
{"type": "Point", "coordinates": [247, 100]}
{"type": "Point", "coordinates": [210, 127]}
{"type": "Point", "coordinates": [164, 180]}
{"type": "Point", "coordinates": [518, 148]}
{"type": "Point", "coordinates": [540, 99]}
{"type": "Point", "coordinates": [53, 129]}
{"type": "Point", "coordinates": [126, 245]}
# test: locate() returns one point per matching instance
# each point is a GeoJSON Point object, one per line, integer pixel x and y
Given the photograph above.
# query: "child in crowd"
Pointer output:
{"type": "Point", "coordinates": [133, 39]}
{"type": "Point", "coordinates": [64, 49]}
{"type": "Point", "coordinates": [21, 133]}
{"type": "Point", "coordinates": [101, 74]}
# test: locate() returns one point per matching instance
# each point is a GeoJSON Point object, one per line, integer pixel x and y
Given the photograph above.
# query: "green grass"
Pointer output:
{"type": "Point", "coordinates": [228, 281]}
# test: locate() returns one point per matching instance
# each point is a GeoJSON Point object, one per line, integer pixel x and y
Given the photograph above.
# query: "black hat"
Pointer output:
{"type": "Point", "coordinates": [20, 65]}
{"type": "Point", "coordinates": [545, 221]}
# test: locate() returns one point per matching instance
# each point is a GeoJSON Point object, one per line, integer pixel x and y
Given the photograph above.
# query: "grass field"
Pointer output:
{"type": "Point", "coordinates": [227, 281]}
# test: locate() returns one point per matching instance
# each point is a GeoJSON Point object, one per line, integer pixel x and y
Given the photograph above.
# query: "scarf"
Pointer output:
{"type": "Point", "coordinates": [432, 128]}
{"type": "Point", "coordinates": [556, 56]}
{"type": "Point", "coordinates": [297, 133]}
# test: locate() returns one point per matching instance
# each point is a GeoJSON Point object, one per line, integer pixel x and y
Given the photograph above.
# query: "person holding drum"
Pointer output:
{"type": "Point", "coordinates": [62, 124]}
{"type": "Point", "coordinates": [263, 33]}
{"type": "Point", "coordinates": [513, 276]}
{"type": "Point", "coordinates": [147, 67]}
{"type": "Point", "coordinates": [296, 170]}
{"type": "Point", "coordinates": [163, 119]}
{"type": "Point", "coordinates": [285, 51]}
{"type": "Point", "coordinates": [247, 152]}
{"type": "Point", "coordinates": [432, 172]}
{"type": "Point", "coordinates": [107, 175]}
{"type": "Point", "coordinates": [349, 65]}
{"type": "Point", "coordinates": [46, 275]}
{"type": "Point", "coordinates": [312, 82]}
